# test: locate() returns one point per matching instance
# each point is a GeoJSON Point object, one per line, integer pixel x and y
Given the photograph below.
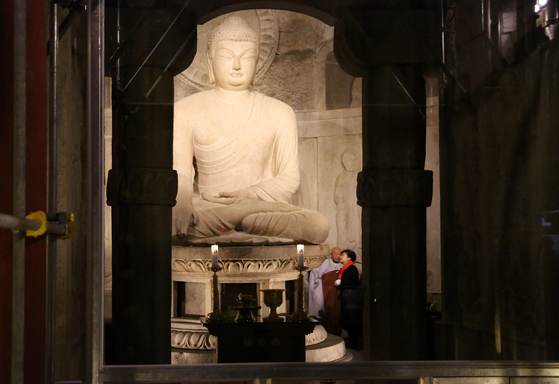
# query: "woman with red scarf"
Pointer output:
{"type": "Point", "coordinates": [348, 275]}
{"type": "Point", "coordinates": [351, 308]}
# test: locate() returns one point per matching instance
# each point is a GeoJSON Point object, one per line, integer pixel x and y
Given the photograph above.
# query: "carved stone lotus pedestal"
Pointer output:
{"type": "Point", "coordinates": [267, 267]}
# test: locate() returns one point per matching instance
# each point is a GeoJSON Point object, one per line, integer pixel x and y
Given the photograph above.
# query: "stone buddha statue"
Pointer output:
{"type": "Point", "coordinates": [235, 151]}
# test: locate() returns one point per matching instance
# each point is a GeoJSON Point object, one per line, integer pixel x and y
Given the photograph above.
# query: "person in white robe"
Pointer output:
{"type": "Point", "coordinates": [314, 281]}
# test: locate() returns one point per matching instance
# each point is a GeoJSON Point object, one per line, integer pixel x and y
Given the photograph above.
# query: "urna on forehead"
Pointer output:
{"type": "Point", "coordinates": [234, 28]}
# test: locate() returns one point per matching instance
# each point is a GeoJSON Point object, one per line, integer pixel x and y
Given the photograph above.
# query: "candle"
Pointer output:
{"type": "Point", "coordinates": [300, 255]}
{"type": "Point", "coordinates": [215, 265]}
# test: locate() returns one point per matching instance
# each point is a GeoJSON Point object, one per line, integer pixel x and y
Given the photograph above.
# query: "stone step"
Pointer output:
{"type": "Point", "coordinates": [330, 350]}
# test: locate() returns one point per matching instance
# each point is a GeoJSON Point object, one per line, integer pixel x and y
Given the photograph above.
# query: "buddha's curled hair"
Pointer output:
{"type": "Point", "coordinates": [234, 28]}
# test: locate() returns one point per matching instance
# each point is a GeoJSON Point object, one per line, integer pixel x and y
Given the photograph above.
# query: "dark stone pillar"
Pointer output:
{"type": "Point", "coordinates": [142, 184]}
{"type": "Point", "coordinates": [142, 193]}
{"type": "Point", "coordinates": [387, 46]}
{"type": "Point", "coordinates": [394, 191]}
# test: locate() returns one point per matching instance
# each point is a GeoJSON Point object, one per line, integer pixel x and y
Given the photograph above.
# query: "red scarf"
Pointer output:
{"type": "Point", "coordinates": [349, 262]}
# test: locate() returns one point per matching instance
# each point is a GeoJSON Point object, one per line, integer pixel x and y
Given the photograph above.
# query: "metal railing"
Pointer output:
{"type": "Point", "coordinates": [423, 371]}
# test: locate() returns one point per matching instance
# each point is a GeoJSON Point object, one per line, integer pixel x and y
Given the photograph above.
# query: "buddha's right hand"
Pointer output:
{"type": "Point", "coordinates": [183, 223]}
{"type": "Point", "coordinates": [181, 228]}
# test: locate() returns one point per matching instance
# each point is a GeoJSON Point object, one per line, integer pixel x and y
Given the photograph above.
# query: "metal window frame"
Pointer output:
{"type": "Point", "coordinates": [95, 181]}
{"type": "Point", "coordinates": [422, 371]}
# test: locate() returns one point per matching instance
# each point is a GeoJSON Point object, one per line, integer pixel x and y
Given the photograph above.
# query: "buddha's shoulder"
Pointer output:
{"type": "Point", "coordinates": [195, 101]}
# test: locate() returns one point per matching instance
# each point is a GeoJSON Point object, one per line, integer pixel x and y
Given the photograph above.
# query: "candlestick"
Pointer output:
{"type": "Point", "coordinates": [215, 264]}
{"type": "Point", "coordinates": [215, 316]}
{"type": "Point", "coordinates": [300, 255]}
{"type": "Point", "coordinates": [300, 314]}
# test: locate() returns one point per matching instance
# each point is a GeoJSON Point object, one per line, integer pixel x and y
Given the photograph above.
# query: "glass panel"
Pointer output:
{"type": "Point", "coordinates": [498, 184]}
{"type": "Point", "coordinates": [481, 260]}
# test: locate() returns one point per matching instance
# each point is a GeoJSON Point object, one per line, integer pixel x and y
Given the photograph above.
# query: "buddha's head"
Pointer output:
{"type": "Point", "coordinates": [232, 54]}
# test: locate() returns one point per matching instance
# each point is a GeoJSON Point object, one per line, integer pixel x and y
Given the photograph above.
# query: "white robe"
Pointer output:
{"type": "Point", "coordinates": [249, 145]}
{"type": "Point", "coordinates": [314, 284]}
{"type": "Point", "coordinates": [237, 146]}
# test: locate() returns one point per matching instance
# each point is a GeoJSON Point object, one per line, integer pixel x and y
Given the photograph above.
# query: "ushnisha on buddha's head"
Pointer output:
{"type": "Point", "coordinates": [232, 54]}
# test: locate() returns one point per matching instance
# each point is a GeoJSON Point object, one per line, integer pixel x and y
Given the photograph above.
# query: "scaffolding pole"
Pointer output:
{"type": "Point", "coordinates": [18, 277]}
{"type": "Point", "coordinates": [18, 224]}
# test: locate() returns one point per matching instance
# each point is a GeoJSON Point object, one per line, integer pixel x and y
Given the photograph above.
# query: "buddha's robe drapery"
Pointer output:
{"type": "Point", "coordinates": [246, 145]}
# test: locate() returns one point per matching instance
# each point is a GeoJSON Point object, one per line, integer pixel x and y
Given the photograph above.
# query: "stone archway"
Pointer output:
{"type": "Point", "coordinates": [393, 189]}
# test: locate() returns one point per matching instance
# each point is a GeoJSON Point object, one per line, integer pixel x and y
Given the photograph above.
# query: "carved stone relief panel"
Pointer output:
{"type": "Point", "coordinates": [340, 161]}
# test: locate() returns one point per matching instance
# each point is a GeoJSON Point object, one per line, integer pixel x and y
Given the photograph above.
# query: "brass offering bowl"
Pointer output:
{"type": "Point", "coordinates": [273, 298]}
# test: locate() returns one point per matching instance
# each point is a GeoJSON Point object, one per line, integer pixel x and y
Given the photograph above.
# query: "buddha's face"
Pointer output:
{"type": "Point", "coordinates": [233, 65]}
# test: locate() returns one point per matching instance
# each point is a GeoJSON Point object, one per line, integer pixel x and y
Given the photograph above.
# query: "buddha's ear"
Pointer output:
{"type": "Point", "coordinates": [210, 70]}
{"type": "Point", "coordinates": [256, 80]}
